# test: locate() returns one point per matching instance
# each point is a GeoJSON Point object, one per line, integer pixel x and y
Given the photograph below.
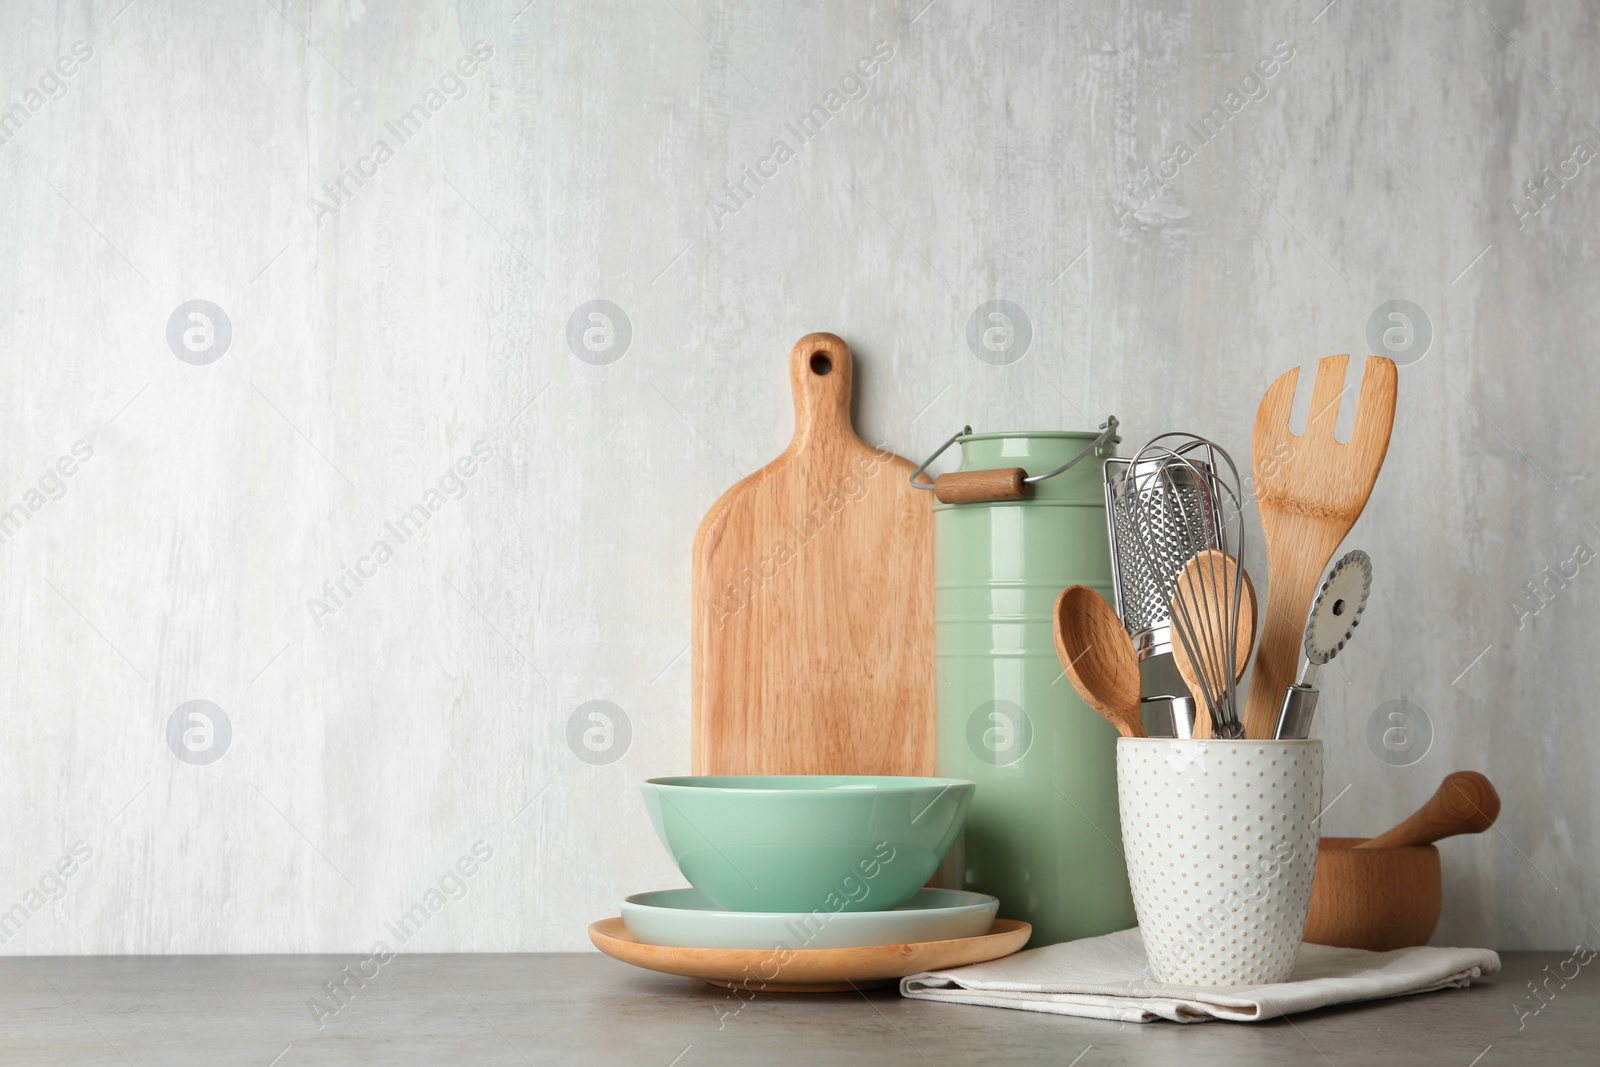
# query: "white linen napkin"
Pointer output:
{"type": "Point", "coordinates": [1107, 978]}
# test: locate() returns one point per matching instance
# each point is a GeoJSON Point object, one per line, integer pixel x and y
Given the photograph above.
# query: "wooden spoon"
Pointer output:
{"type": "Point", "coordinates": [1099, 659]}
{"type": "Point", "coordinates": [1464, 803]}
{"type": "Point", "coordinates": [1203, 595]}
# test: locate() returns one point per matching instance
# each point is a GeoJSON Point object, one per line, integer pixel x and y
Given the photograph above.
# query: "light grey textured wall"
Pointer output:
{"type": "Point", "coordinates": [380, 334]}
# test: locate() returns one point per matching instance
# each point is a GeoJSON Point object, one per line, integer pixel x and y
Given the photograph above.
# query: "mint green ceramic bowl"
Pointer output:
{"type": "Point", "coordinates": [807, 842]}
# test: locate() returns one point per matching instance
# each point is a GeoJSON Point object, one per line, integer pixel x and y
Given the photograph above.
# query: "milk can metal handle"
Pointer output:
{"type": "Point", "coordinates": [1005, 483]}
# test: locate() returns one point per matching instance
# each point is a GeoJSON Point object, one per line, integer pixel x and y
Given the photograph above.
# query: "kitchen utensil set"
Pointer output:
{"type": "Point", "coordinates": [1249, 799]}
{"type": "Point", "coordinates": [1175, 510]}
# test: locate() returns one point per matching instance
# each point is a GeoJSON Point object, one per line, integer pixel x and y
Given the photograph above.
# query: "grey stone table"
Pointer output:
{"type": "Point", "coordinates": [254, 1011]}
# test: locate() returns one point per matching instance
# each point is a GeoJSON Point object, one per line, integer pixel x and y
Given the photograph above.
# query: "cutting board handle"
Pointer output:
{"type": "Point", "coordinates": [822, 373]}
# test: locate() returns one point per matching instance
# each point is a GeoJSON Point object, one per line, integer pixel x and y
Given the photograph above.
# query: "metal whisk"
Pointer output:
{"type": "Point", "coordinates": [1176, 498]}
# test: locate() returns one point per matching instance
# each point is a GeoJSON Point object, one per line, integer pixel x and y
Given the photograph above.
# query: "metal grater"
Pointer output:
{"type": "Point", "coordinates": [1171, 507]}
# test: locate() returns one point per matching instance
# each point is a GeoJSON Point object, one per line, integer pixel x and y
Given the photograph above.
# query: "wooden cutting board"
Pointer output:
{"type": "Point", "coordinates": [813, 600]}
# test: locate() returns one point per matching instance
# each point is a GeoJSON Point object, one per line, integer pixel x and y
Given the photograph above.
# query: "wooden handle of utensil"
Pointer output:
{"type": "Point", "coordinates": [1247, 642]}
{"type": "Point", "coordinates": [1202, 607]}
{"type": "Point", "coordinates": [822, 373]}
{"type": "Point", "coordinates": [1295, 565]}
{"type": "Point", "coordinates": [979, 487]}
{"type": "Point", "coordinates": [1248, 634]}
{"type": "Point", "coordinates": [1465, 803]}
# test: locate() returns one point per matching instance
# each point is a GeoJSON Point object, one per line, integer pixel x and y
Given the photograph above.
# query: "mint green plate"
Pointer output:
{"type": "Point", "coordinates": [686, 918]}
{"type": "Point", "coordinates": [802, 843]}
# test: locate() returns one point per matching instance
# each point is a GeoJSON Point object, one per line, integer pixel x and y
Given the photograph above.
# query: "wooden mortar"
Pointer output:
{"type": "Point", "coordinates": [1386, 893]}
{"type": "Point", "coordinates": [1374, 898]}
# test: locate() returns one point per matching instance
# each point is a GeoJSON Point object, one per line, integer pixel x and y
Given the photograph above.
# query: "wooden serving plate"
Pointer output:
{"type": "Point", "coordinates": [816, 970]}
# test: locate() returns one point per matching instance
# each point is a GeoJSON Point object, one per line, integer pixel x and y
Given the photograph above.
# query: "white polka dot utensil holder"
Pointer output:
{"type": "Point", "coordinates": [1221, 842]}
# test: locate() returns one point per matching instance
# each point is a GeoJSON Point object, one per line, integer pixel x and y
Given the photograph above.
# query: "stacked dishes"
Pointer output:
{"type": "Point", "coordinates": [807, 882]}
{"type": "Point", "coordinates": [809, 832]}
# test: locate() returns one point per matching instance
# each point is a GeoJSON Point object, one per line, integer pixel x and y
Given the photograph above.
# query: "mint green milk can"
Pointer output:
{"type": "Point", "coordinates": [1043, 834]}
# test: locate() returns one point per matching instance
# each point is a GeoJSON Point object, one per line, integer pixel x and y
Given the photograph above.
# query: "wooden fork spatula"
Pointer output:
{"type": "Point", "coordinates": [1310, 490]}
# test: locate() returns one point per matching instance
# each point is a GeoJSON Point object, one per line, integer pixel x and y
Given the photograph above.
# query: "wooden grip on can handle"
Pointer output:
{"type": "Point", "coordinates": [980, 487]}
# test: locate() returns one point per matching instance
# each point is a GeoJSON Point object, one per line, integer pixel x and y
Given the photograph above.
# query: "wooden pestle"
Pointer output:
{"type": "Point", "coordinates": [1464, 803]}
